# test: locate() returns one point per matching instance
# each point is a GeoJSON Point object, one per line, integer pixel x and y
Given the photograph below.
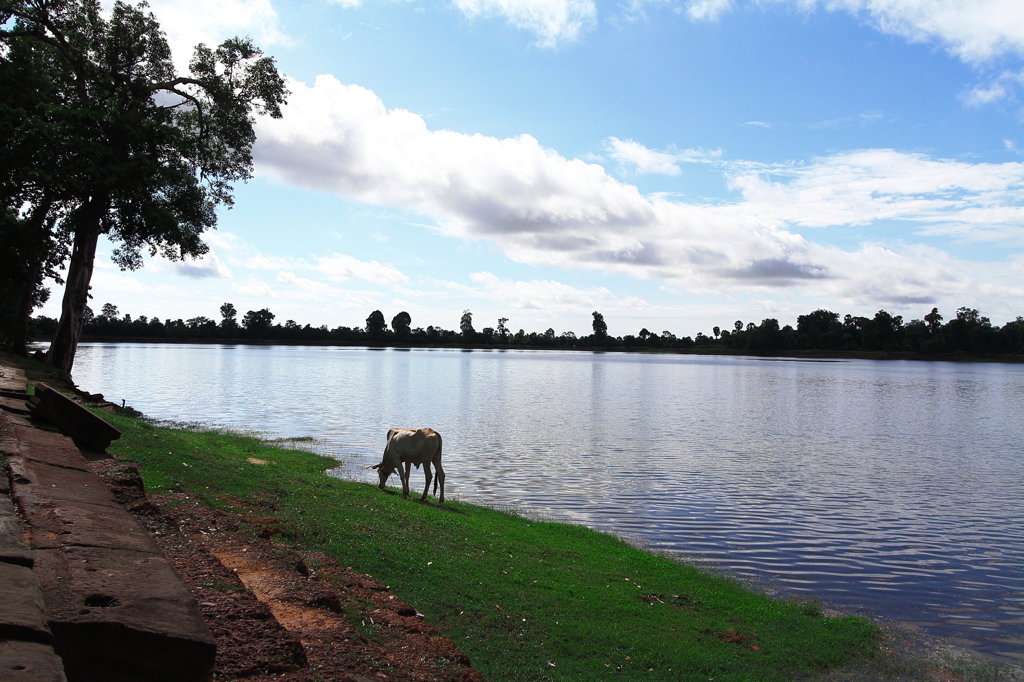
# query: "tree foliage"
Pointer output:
{"type": "Point", "coordinates": [466, 325]}
{"type": "Point", "coordinates": [400, 323]}
{"type": "Point", "coordinates": [375, 325]}
{"type": "Point", "coordinates": [146, 154]}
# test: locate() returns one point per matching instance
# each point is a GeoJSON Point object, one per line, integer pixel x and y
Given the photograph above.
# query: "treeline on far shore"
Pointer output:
{"type": "Point", "coordinates": [968, 332]}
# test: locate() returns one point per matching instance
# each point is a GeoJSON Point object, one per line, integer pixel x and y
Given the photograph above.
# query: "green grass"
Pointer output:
{"type": "Point", "coordinates": [525, 600]}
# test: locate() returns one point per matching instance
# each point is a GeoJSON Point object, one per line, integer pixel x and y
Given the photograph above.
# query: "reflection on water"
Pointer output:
{"type": "Point", "coordinates": [892, 486]}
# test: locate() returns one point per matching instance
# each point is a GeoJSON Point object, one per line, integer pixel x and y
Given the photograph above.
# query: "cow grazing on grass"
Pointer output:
{"type": "Point", "coordinates": [408, 447]}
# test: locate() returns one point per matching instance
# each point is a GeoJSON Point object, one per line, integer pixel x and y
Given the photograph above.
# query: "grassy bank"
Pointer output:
{"type": "Point", "coordinates": [525, 600]}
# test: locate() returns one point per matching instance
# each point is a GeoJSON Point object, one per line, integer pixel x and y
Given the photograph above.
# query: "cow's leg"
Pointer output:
{"type": "Point", "coordinates": [440, 478]}
{"type": "Point", "coordinates": [426, 488]}
{"type": "Point", "coordinates": [405, 478]}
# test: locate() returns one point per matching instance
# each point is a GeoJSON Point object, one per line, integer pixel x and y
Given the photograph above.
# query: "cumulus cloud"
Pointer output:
{"type": "Point", "coordinates": [973, 30]}
{"type": "Point", "coordinates": [202, 268]}
{"type": "Point", "coordinates": [542, 208]}
{"type": "Point", "coordinates": [553, 21]}
{"type": "Point", "coordinates": [339, 268]}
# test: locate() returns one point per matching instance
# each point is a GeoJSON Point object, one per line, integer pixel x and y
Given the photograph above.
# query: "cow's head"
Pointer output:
{"type": "Point", "coordinates": [383, 471]}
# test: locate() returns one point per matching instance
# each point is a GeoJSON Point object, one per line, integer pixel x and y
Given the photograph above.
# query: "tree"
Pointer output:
{"type": "Point", "coordinates": [934, 320]}
{"type": "Point", "coordinates": [109, 311]}
{"type": "Point", "coordinates": [32, 128]}
{"type": "Point", "coordinates": [717, 331]}
{"type": "Point", "coordinates": [400, 323]}
{"type": "Point", "coordinates": [502, 331]}
{"type": "Point", "coordinates": [466, 325]}
{"type": "Point", "coordinates": [228, 323]}
{"type": "Point", "coordinates": [887, 329]}
{"type": "Point", "coordinates": [256, 322]}
{"type": "Point", "coordinates": [162, 149]}
{"type": "Point", "coordinates": [816, 326]}
{"type": "Point", "coordinates": [376, 327]}
{"type": "Point", "coordinates": [600, 328]}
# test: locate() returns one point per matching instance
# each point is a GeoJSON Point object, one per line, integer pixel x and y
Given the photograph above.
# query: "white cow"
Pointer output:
{"type": "Point", "coordinates": [412, 446]}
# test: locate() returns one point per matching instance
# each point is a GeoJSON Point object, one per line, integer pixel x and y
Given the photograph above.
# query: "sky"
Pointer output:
{"type": "Point", "coordinates": [673, 164]}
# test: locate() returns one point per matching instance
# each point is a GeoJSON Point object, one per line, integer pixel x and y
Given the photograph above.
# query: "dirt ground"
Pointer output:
{"type": "Point", "coordinates": [281, 614]}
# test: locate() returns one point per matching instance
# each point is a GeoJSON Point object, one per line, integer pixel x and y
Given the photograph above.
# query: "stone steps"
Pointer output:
{"type": "Point", "coordinates": [95, 599]}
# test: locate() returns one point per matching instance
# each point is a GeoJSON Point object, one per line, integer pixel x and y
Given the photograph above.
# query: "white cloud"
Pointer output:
{"type": "Point", "coordinates": [259, 261]}
{"type": "Point", "coordinates": [254, 287]}
{"type": "Point", "coordinates": [540, 294]}
{"type": "Point", "coordinates": [339, 268]}
{"type": "Point", "coordinates": [205, 267]}
{"type": "Point", "coordinates": [758, 124]}
{"type": "Point", "coordinates": [980, 95]}
{"type": "Point", "coordinates": [543, 209]}
{"type": "Point", "coordinates": [707, 10]}
{"type": "Point", "coordinates": [634, 156]}
{"type": "Point", "coordinates": [640, 158]}
{"type": "Point", "coordinates": [553, 21]}
{"type": "Point", "coordinates": [116, 282]}
{"type": "Point", "coordinates": [856, 188]}
{"type": "Point", "coordinates": [973, 30]}
{"type": "Point", "coordinates": [860, 120]}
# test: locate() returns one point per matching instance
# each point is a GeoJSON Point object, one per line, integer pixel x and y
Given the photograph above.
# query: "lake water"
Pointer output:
{"type": "Point", "coordinates": [893, 487]}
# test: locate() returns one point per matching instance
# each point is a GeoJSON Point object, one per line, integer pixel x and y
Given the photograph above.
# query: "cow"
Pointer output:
{"type": "Point", "coordinates": [412, 446]}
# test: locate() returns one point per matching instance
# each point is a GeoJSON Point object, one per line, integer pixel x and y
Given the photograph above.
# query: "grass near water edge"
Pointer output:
{"type": "Point", "coordinates": [526, 600]}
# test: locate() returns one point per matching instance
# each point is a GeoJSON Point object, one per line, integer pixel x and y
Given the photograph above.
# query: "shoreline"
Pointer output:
{"type": "Point", "coordinates": [901, 642]}
{"type": "Point", "coordinates": [809, 355]}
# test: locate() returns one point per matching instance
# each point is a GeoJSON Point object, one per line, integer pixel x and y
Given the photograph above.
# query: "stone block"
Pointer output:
{"type": "Point", "coordinates": [35, 483]}
{"type": "Point", "coordinates": [14, 404]}
{"type": "Point", "coordinates": [29, 662]}
{"type": "Point", "coordinates": [12, 379]}
{"type": "Point", "coordinates": [74, 524]}
{"type": "Point", "coordinates": [123, 616]}
{"type": "Point", "coordinates": [72, 419]}
{"type": "Point", "coordinates": [22, 614]}
{"type": "Point", "coordinates": [48, 447]}
{"type": "Point", "coordinates": [12, 536]}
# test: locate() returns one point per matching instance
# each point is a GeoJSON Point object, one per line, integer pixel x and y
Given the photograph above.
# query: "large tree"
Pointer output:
{"type": "Point", "coordinates": [36, 177]}
{"type": "Point", "coordinates": [163, 148]}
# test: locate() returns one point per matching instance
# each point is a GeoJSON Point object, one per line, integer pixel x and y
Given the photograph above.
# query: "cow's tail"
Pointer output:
{"type": "Point", "coordinates": [437, 460]}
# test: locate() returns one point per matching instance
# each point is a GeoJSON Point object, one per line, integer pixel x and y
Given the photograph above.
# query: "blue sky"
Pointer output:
{"type": "Point", "coordinates": [675, 164]}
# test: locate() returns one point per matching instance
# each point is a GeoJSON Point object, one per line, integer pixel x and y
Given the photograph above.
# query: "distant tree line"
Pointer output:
{"type": "Point", "coordinates": [821, 330]}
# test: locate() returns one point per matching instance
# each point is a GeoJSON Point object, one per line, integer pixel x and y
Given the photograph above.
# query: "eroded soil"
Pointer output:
{"type": "Point", "coordinates": [282, 614]}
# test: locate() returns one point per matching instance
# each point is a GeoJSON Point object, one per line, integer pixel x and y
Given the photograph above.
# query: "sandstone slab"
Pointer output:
{"type": "Point", "coordinates": [47, 447]}
{"type": "Point", "coordinates": [12, 379]}
{"type": "Point", "coordinates": [15, 404]}
{"type": "Point", "coordinates": [12, 536]}
{"type": "Point", "coordinates": [22, 613]}
{"type": "Point", "coordinates": [72, 419]}
{"type": "Point", "coordinates": [35, 483]}
{"type": "Point", "coordinates": [71, 524]}
{"type": "Point", "coordinates": [123, 616]}
{"type": "Point", "coordinates": [29, 662]}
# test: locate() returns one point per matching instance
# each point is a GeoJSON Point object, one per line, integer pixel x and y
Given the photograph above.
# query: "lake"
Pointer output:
{"type": "Point", "coordinates": [894, 488]}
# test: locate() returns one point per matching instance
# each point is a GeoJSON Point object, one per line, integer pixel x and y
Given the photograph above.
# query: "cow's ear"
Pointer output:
{"type": "Point", "coordinates": [375, 466]}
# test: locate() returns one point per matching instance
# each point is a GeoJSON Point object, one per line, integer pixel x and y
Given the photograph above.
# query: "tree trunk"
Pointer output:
{"type": "Point", "coordinates": [76, 289]}
{"type": "Point", "coordinates": [36, 241]}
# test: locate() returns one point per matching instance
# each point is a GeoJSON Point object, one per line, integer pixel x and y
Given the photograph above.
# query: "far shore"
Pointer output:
{"type": "Point", "coordinates": [823, 355]}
